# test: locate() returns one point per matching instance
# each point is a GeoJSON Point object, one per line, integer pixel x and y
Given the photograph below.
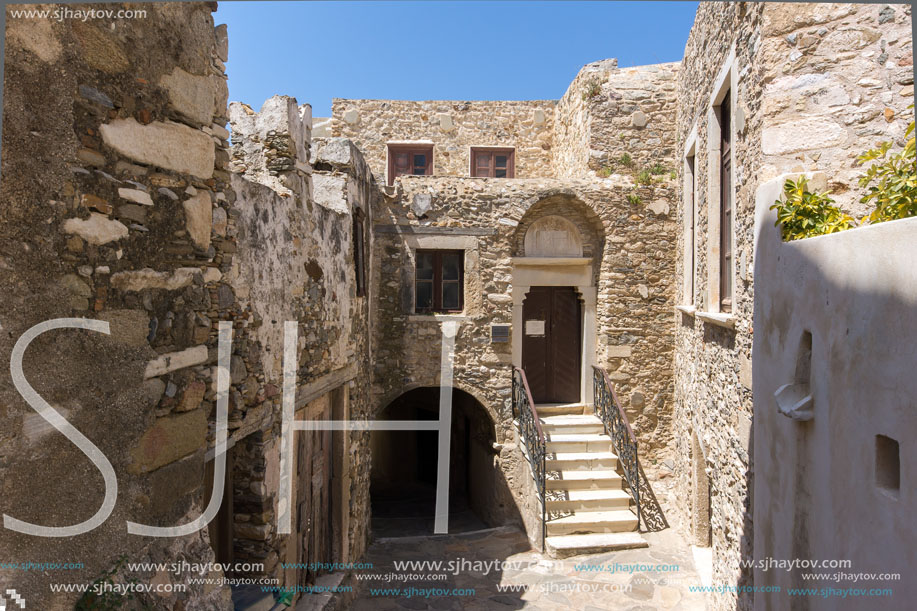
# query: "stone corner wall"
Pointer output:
{"type": "Point", "coordinates": [114, 181]}
{"type": "Point", "coordinates": [608, 112]}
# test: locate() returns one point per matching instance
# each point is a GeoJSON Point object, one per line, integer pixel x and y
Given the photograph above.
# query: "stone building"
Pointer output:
{"type": "Point", "coordinates": [553, 239]}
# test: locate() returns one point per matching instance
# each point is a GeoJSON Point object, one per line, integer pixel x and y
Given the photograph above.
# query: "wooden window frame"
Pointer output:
{"type": "Point", "coordinates": [410, 149]}
{"type": "Point", "coordinates": [727, 206]}
{"type": "Point", "coordinates": [438, 281]}
{"type": "Point", "coordinates": [493, 151]}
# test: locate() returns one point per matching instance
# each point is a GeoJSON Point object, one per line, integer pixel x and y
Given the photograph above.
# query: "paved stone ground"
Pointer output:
{"type": "Point", "coordinates": [552, 584]}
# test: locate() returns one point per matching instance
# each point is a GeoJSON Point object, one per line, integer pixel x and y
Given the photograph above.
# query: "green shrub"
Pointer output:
{"type": "Point", "coordinates": [604, 172]}
{"type": "Point", "coordinates": [633, 199]}
{"type": "Point", "coordinates": [803, 214]}
{"type": "Point", "coordinates": [644, 177]}
{"type": "Point", "coordinates": [657, 169]}
{"type": "Point", "coordinates": [592, 89]}
{"type": "Point", "coordinates": [892, 180]}
{"type": "Point", "coordinates": [626, 161]}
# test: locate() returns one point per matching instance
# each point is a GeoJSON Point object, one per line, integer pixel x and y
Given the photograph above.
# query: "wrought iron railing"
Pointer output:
{"type": "Point", "coordinates": [535, 443]}
{"type": "Point", "coordinates": [608, 409]}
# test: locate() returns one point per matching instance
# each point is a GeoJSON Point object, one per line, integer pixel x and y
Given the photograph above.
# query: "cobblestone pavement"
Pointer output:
{"type": "Point", "coordinates": [656, 577]}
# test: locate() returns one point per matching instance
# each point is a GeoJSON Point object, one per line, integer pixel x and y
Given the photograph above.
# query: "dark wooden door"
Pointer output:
{"type": "Point", "coordinates": [551, 344]}
{"type": "Point", "coordinates": [313, 493]}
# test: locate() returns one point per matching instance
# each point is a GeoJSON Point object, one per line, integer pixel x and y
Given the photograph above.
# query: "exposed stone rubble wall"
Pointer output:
{"type": "Point", "coordinates": [453, 127]}
{"type": "Point", "coordinates": [295, 262]}
{"type": "Point", "coordinates": [810, 87]}
{"type": "Point", "coordinates": [485, 217]}
{"type": "Point", "coordinates": [115, 194]}
{"type": "Point", "coordinates": [609, 111]}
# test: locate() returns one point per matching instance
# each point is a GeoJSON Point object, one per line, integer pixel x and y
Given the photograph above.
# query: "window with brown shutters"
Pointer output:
{"type": "Point", "coordinates": [493, 163]}
{"type": "Point", "coordinates": [726, 208]}
{"type": "Point", "coordinates": [439, 281]}
{"type": "Point", "coordinates": [410, 159]}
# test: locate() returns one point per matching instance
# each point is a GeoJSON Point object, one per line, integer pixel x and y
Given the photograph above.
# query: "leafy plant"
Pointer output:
{"type": "Point", "coordinates": [892, 180]}
{"type": "Point", "coordinates": [633, 199]}
{"type": "Point", "coordinates": [672, 174]}
{"type": "Point", "coordinates": [644, 177]}
{"type": "Point", "coordinates": [626, 161]}
{"type": "Point", "coordinates": [803, 214]}
{"type": "Point", "coordinates": [592, 89]}
{"type": "Point", "coordinates": [657, 169]}
{"type": "Point", "coordinates": [604, 172]}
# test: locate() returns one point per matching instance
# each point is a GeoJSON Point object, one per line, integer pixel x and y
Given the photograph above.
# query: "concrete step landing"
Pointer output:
{"type": "Point", "coordinates": [564, 546]}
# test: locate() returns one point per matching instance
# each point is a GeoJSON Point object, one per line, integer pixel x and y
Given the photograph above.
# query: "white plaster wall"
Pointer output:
{"type": "Point", "coordinates": [815, 492]}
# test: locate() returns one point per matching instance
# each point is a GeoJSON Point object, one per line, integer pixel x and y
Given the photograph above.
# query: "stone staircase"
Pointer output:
{"type": "Point", "coordinates": [588, 509]}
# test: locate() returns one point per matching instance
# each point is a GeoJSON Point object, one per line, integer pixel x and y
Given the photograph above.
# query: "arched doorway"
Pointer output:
{"type": "Point", "coordinates": [557, 251]}
{"type": "Point", "coordinates": [404, 467]}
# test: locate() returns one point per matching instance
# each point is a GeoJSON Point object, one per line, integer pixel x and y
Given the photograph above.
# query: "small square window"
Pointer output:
{"type": "Point", "coordinates": [409, 159]}
{"type": "Point", "coordinates": [492, 163]}
{"type": "Point", "coordinates": [439, 281]}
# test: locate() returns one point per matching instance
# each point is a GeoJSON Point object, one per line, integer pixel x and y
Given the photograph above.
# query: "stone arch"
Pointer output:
{"type": "Point", "coordinates": [493, 413]}
{"type": "Point", "coordinates": [404, 466]}
{"type": "Point", "coordinates": [565, 204]}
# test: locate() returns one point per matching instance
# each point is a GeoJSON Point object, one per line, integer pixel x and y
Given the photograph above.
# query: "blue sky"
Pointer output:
{"type": "Point", "coordinates": [422, 50]}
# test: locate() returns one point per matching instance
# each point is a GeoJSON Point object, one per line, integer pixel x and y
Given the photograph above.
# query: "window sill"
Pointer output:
{"type": "Point", "coordinates": [436, 317]}
{"type": "Point", "coordinates": [718, 318]}
{"type": "Point", "coordinates": [688, 310]}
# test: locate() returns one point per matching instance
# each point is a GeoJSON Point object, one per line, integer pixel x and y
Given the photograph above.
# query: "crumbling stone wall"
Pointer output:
{"type": "Point", "coordinates": [295, 262]}
{"type": "Point", "coordinates": [114, 182]}
{"type": "Point", "coordinates": [608, 112]}
{"type": "Point", "coordinates": [812, 82]}
{"type": "Point", "coordinates": [453, 127]}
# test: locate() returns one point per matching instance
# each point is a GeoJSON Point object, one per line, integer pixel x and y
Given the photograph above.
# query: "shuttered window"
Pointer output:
{"type": "Point", "coordinates": [492, 163]}
{"type": "Point", "coordinates": [416, 160]}
{"type": "Point", "coordinates": [439, 281]}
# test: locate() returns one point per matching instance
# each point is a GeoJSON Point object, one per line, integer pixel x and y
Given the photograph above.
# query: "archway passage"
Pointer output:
{"type": "Point", "coordinates": [404, 466]}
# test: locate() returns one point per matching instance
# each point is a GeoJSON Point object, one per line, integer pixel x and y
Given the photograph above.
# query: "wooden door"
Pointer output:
{"type": "Point", "coordinates": [313, 493]}
{"type": "Point", "coordinates": [551, 344]}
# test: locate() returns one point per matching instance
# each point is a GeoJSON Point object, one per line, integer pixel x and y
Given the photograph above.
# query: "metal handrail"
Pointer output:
{"type": "Point", "coordinates": [608, 409]}
{"type": "Point", "coordinates": [533, 435]}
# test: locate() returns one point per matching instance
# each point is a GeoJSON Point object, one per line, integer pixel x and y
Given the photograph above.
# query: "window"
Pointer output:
{"type": "Point", "coordinates": [492, 163]}
{"type": "Point", "coordinates": [726, 207]}
{"type": "Point", "coordinates": [888, 465]}
{"type": "Point", "coordinates": [411, 159]}
{"type": "Point", "coordinates": [690, 237]}
{"type": "Point", "coordinates": [439, 280]}
{"type": "Point", "coordinates": [359, 257]}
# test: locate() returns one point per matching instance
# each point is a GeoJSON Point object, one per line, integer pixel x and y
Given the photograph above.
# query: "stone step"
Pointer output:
{"type": "Point", "coordinates": [587, 522]}
{"type": "Point", "coordinates": [572, 424]}
{"type": "Point", "coordinates": [557, 409]}
{"type": "Point", "coordinates": [578, 442]}
{"type": "Point", "coordinates": [581, 461]}
{"type": "Point", "coordinates": [589, 500]}
{"type": "Point", "coordinates": [585, 480]}
{"type": "Point", "coordinates": [564, 546]}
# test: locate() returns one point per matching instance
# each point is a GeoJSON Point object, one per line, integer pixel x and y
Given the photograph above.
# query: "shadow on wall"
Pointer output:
{"type": "Point", "coordinates": [835, 345]}
{"type": "Point", "coordinates": [404, 466]}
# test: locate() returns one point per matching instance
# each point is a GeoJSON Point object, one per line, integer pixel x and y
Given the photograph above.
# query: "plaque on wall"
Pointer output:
{"type": "Point", "coordinates": [534, 327]}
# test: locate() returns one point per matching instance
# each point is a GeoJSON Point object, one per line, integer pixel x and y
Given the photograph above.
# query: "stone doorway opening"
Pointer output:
{"type": "Point", "coordinates": [404, 467]}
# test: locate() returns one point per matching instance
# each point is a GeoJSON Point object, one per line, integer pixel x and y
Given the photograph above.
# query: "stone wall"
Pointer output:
{"type": "Point", "coordinates": [453, 127]}
{"type": "Point", "coordinates": [839, 79]}
{"type": "Point", "coordinates": [809, 88]}
{"type": "Point", "coordinates": [295, 262]}
{"type": "Point", "coordinates": [608, 112]}
{"type": "Point", "coordinates": [631, 275]}
{"type": "Point", "coordinates": [114, 183]}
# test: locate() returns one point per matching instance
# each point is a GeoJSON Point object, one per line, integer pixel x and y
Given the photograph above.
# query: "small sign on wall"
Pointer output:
{"type": "Point", "coordinates": [534, 328]}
